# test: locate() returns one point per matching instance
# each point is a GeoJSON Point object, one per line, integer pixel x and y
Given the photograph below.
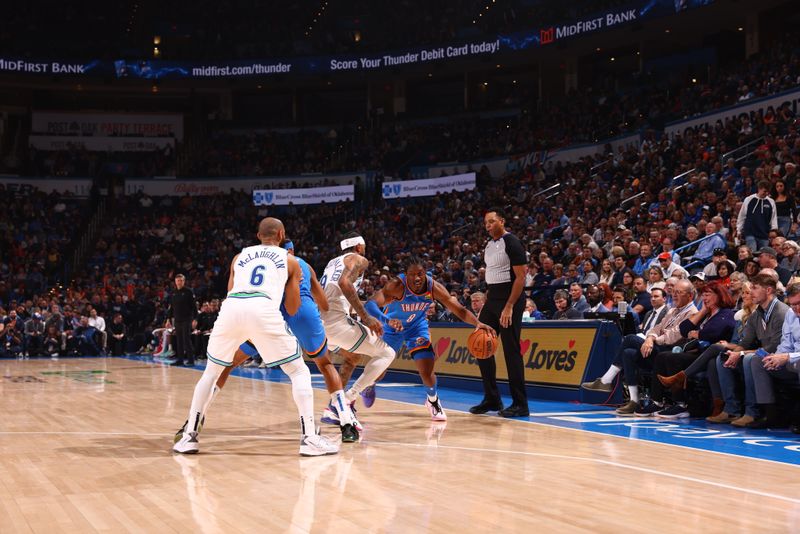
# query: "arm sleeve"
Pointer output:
{"type": "Point", "coordinates": [373, 310]}
{"type": "Point", "coordinates": [516, 254]}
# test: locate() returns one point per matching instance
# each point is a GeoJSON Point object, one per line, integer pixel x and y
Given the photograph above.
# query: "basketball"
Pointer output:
{"type": "Point", "coordinates": [482, 344]}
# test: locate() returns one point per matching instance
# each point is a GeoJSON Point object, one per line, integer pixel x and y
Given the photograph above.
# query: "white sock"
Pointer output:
{"type": "Point", "coordinates": [211, 399]}
{"type": "Point", "coordinates": [203, 392]}
{"type": "Point", "coordinates": [343, 407]}
{"type": "Point", "coordinates": [303, 394]}
{"type": "Point", "coordinates": [372, 370]}
{"type": "Point", "coordinates": [612, 372]}
{"type": "Point", "coordinates": [634, 392]}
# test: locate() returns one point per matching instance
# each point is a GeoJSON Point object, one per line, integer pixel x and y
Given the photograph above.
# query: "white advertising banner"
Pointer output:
{"type": "Point", "coordinates": [101, 144]}
{"type": "Point", "coordinates": [171, 186]}
{"type": "Point", "coordinates": [758, 105]}
{"type": "Point", "coordinates": [429, 186]}
{"type": "Point", "coordinates": [311, 195]}
{"type": "Point", "coordinates": [78, 187]}
{"type": "Point", "coordinates": [108, 124]}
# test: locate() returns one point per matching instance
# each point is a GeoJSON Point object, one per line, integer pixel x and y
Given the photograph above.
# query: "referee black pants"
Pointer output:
{"type": "Point", "coordinates": [510, 338]}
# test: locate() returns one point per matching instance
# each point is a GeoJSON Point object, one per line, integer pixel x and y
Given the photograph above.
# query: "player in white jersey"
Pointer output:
{"type": "Point", "coordinates": [341, 280]}
{"type": "Point", "coordinates": [261, 277]}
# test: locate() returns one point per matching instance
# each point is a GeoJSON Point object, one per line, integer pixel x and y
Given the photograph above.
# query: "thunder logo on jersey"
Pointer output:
{"type": "Point", "coordinates": [413, 307]}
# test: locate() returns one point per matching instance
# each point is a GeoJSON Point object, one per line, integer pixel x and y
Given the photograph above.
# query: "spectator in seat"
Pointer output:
{"type": "Point", "coordinates": [52, 341]}
{"type": "Point", "coordinates": [719, 255]}
{"type": "Point", "coordinates": [641, 299]}
{"type": "Point", "coordinates": [714, 323]}
{"type": "Point", "coordinates": [577, 300]}
{"type": "Point", "coordinates": [791, 256]}
{"type": "Point", "coordinates": [531, 314]}
{"type": "Point", "coordinates": [563, 309]}
{"type": "Point", "coordinates": [669, 269]}
{"type": "Point", "coordinates": [477, 300]}
{"type": "Point", "coordinates": [763, 329]}
{"type": "Point", "coordinates": [713, 242]}
{"type": "Point", "coordinates": [636, 352]}
{"type": "Point", "coordinates": [782, 365]}
{"type": "Point", "coordinates": [768, 259]}
{"type": "Point", "coordinates": [11, 340]}
{"type": "Point", "coordinates": [99, 324]}
{"type": "Point", "coordinates": [33, 338]}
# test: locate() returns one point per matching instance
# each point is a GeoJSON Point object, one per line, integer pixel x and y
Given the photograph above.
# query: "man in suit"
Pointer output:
{"type": "Point", "coordinates": [650, 320]}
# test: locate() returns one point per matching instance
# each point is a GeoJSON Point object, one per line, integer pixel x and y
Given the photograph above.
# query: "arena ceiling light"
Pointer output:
{"type": "Point", "coordinates": [316, 17]}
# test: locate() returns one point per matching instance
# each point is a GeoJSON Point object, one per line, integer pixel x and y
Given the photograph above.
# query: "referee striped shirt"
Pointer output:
{"type": "Point", "coordinates": [500, 256]}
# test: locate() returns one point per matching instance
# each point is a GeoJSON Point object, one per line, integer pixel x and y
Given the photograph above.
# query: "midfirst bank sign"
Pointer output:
{"type": "Point", "coordinates": [555, 33]}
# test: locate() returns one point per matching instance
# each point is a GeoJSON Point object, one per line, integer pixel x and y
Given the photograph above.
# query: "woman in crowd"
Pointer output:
{"type": "Point", "coordinates": [606, 272]}
{"type": "Point", "coordinates": [708, 332]}
{"type": "Point", "coordinates": [785, 205]}
{"type": "Point", "coordinates": [751, 268]}
{"type": "Point", "coordinates": [737, 284]}
{"type": "Point", "coordinates": [743, 254]}
{"type": "Point", "coordinates": [724, 271]}
{"type": "Point", "coordinates": [655, 278]}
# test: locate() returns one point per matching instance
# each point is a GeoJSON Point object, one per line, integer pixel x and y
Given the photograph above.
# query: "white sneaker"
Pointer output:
{"type": "Point", "coordinates": [316, 445]}
{"type": "Point", "coordinates": [437, 412]}
{"type": "Point", "coordinates": [187, 444]}
{"type": "Point", "coordinates": [330, 417]}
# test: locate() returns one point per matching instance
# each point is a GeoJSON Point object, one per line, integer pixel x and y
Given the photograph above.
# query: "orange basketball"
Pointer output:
{"type": "Point", "coordinates": [482, 344]}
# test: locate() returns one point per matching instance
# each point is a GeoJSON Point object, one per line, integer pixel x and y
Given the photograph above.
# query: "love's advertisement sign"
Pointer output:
{"type": "Point", "coordinates": [552, 356]}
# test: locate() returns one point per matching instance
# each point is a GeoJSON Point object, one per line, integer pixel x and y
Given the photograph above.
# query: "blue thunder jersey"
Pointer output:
{"type": "Point", "coordinates": [305, 284]}
{"type": "Point", "coordinates": [412, 308]}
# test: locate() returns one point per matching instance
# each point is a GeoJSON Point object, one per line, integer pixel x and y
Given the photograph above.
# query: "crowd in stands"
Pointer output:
{"type": "Point", "coordinates": [76, 161]}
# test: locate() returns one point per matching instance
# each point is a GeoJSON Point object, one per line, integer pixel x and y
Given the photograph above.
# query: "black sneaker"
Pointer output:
{"type": "Point", "coordinates": [676, 411]}
{"type": "Point", "coordinates": [486, 406]}
{"type": "Point", "coordinates": [648, 411]}
{"type": "Point", "coordinates": [349, 434]}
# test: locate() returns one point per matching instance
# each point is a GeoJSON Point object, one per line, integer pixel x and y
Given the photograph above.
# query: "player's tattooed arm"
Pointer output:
{"type": "Point", "coordinates": [354, 265]}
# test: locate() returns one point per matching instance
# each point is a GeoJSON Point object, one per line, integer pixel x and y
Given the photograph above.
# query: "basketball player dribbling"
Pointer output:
{"type": "Point", "coordinates": [406, 300]}
{"type": "Point", "coordinates": [262, 277]}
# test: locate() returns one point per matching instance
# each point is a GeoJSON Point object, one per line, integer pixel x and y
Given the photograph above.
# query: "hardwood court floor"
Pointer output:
{"type": "Point", "coordinates": [88, 449]}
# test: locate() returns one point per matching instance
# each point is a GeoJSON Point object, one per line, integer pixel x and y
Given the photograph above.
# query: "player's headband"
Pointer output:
{"type": "Point", "coordinates": [353, 241]}
{"type": "Point", "coordinates": [288, 245]}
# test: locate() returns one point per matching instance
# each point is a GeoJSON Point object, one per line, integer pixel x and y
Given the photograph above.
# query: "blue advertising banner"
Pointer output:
{"type": "Point", "coordinates": [157, 69]}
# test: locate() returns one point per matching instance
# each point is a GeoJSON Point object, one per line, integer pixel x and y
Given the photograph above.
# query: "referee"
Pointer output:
{"type": "Point", "coordinates": [505, 276]}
